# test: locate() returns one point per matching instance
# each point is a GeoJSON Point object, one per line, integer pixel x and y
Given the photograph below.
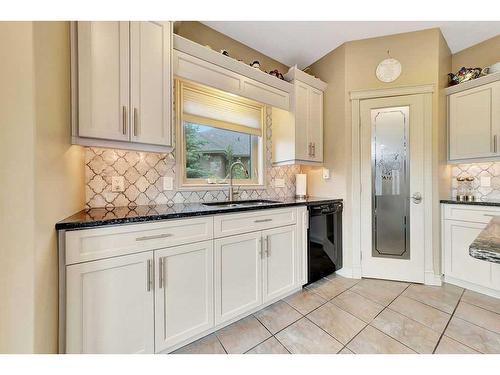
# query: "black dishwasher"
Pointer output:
{"type": "Point", "coordinates": [324, 247]}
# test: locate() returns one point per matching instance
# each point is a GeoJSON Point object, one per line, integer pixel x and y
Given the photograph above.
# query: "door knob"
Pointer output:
{"type": "Point", "coordinates": [416, 198]}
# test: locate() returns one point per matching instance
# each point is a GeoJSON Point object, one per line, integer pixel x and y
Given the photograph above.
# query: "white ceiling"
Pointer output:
{"type": "Point", "coordinates": [304, 42]}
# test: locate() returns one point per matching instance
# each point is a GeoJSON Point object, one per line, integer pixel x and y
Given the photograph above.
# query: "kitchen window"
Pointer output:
{"type": "Point", "coordinates": [216, 129]}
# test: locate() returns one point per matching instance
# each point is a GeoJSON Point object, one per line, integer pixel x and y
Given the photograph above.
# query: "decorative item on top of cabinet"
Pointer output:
{"type": "Point", "coordinates": [122, 85]}
{"type": "Point", "coordinates": [474, 120]}
{"type": "Point", "coordinates": [298, 134]}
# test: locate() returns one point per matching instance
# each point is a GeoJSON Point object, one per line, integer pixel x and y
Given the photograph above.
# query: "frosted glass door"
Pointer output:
{"type": "Point", "coordinates": [390, 182]}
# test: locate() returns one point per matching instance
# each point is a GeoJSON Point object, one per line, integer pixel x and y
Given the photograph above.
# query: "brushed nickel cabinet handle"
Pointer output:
{"type": "Point", "coordinates": [124, 120]}
{"type": "Point", "coordinates": [314, 149]}
{"type": "Point", "coordinates": [136, 123]}
{"type": "Point", "coordinates": [260, 248]}
{"type": "Point", "coordinates": [162, 271]}
{"type": "Point", "coordinates": [263, 220]}
{"type": "Point", "coordinates": [310, 149]}
{"type": "Point", "coordinates": [155, 237]}
{"type": "Point", "coordinates": [148, 275]}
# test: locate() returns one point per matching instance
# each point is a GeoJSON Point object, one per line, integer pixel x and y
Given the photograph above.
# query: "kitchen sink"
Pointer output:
{"type": "Point", "coordinates": [249, 203]}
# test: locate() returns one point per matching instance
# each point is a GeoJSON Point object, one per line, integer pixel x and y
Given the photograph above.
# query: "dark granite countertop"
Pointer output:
{"type": "Point", "coordinates": [487, 245]}
{"type": "Point", "coordinates": [97, 217]}
{"type": "Point", "coordinates": [479, 202]}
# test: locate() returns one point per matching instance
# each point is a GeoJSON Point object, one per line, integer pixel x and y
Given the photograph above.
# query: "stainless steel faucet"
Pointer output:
{"type": "Point", "coordinates": [231, 192]}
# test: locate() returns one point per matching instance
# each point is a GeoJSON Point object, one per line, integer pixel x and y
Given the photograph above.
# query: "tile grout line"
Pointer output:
{"type": "Point", "coordinates": [220, 342]}
{"type": "Point", "coordinates": [481, 307]}
{"type": "Point", "coordinates": [380, 312]}
{"type": "Point", "coordinates": [340, 342]}
{"type": "Point", "coordinates": [449, 321]}
{"type": "Point", "coordinates": [426, 304]}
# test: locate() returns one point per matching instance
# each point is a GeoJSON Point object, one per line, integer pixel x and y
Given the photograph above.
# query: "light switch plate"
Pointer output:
{"type": "Point", "coordinates": [117, 184]}
{"type": "Point", "coordinates": [168, 183]}
{"type": "Point", "coordinates": [485, 181]}
{"type": "Point", "coordinates": [279, 182]}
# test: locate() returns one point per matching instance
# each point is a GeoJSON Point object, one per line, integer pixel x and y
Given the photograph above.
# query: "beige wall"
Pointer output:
{"type": "Point", "coordinates": [419, 53]}
{"type": "Point", "coordinates": [205, 35]}
{"type": "Point", "coordinates": [17, 164]}
{"type": "Point", "coordinates": [480, 55]}
{"type": "Point", "coordinates": [42, 179]}
{"type": "Point", "coordinates": [59, 170]}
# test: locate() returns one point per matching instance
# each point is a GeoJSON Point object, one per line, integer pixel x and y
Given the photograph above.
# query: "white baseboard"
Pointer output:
{"type": "Point", "coordinates": [430, 278]}
{"type": "Point", "coordinates": [471, 286]}
{"type": "Point", "coordinates": [349, 272]}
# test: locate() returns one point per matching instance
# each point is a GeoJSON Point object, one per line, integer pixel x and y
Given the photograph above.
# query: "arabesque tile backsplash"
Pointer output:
{"type": "Point", "coordinates": [478, 170]}
{"type": "Point", "coordinates": [143, 174]}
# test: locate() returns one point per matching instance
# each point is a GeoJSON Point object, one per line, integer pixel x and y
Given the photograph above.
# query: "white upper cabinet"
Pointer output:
{"type": "Point", "coordinates": [122, 85]}
{"type": "Point", "coordinates": [150, 94]}
{"type": "Point", "coordinates": [194, 62]}
{"type": "Point", "coordinates": [103, 80]}
{"type": "Point", "coordinates": [298, 134]}
{"type": "Point", "coordinates": [474, 123]}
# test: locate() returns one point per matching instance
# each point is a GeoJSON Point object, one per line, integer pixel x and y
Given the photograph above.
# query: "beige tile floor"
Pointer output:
{"type": "Point", "coordinates": [348, 316]}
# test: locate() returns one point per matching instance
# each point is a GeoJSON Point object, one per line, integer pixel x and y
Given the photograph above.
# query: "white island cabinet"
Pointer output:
{"type": "Point", "coordinates": [461, 225]}
{"type": "Point", "coordinates": [156, 286]}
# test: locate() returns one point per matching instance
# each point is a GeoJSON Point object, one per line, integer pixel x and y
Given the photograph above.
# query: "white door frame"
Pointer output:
{"type": "Point", "coordinates": [355, 97]}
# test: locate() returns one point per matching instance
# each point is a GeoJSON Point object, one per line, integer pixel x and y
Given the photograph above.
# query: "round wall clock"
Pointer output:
{"type": "Point", "coordinates": [388, 70]}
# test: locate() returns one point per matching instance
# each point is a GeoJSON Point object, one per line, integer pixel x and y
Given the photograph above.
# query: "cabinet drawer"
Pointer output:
{"type": "Point", "coordinates": [231, 224]}
{"type": "Point", "coordinates": [476, 214]}
{"type": "Point", "coordinates": [91, 244]}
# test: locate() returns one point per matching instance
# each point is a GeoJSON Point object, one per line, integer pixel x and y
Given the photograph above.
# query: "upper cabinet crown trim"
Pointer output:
{"type": "Point", "coordinates": [299, 75]}
{"type": "Point", "coordinates": [197, 50]}
{"type": "Point", "coordinates": [473, 83]}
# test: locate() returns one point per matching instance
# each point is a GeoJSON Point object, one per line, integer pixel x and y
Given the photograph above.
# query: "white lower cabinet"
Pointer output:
{"type": "Point", "coordinates": [458, 235]}
{"type": "Point", "coordinates": [153, 287]}
{"type": "Point", "coordinates": [238, 275]}
{"type": "Point", "coordinates": [461, 225]}
{"type": "Point", "coordinates": [184, 293]}
{"type": "Point", "coordinates": [110, 305]}
{"type": "Point", "coordinates": [280, 259]}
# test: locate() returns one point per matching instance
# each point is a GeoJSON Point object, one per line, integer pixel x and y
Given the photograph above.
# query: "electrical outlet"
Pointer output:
{"type": "Point", "coordinates": [279, 182]}
{"type": "Point", "coordinates": [117, 184]}
{"type": "Point", "coordinates": [326, 173]}
{"type": "Point", "coordinates": [168, 183]}
{"type": "Point", "coordinates": [485, 181]}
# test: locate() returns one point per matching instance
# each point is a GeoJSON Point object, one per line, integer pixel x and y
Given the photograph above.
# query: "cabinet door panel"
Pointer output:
{"type": "Point", "coordinates": [109, 306]}
{"type": "Point", "coordinates": [302, 150]}
{"type": "Point", "coordinates": [238, 275]}
{"type": "Point", "coordinates": [184, 292]}
{"type": "Point", "coordinates": [103, 80]}
{"type": "Point", "coordinates": [151, 82]}
{"type": "Point", "coordinates": [471, 123]}
{"type": "Point", "coordinates": [458, 236]}
{"type": "Point", "coordinates": [280, 246]}
{"type": "Point", "coordinates": [315, 123]}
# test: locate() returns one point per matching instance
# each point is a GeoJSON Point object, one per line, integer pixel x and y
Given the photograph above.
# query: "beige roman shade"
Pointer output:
{"type": "Point", "coordinates": [205, 106]}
